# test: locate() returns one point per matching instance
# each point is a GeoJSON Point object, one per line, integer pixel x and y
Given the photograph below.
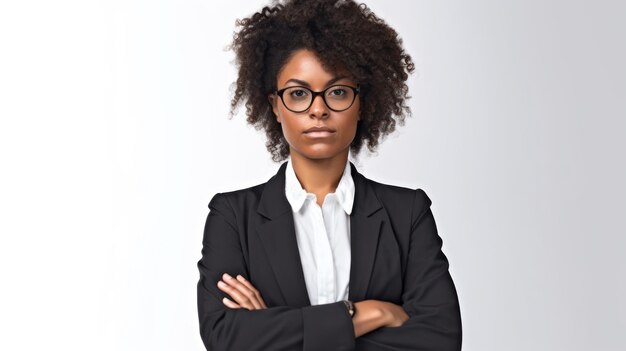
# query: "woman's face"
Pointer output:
{"type": "Point", "coordinates": [305, 70]}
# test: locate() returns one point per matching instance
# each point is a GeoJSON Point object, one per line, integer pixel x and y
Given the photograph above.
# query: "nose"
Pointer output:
{"type": "Point", "coordinates": [318, 108]}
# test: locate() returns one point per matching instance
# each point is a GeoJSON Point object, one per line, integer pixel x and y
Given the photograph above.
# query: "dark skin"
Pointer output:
{"type": "Point", "coordinates": [318, 161]}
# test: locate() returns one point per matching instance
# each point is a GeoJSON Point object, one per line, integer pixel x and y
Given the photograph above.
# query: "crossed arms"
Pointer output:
{"type": "Point", "coordinates": [234, 316]}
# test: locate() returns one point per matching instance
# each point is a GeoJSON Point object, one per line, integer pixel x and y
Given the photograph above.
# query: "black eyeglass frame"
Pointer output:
{"type": "Point", "coordinates": [315, 94]}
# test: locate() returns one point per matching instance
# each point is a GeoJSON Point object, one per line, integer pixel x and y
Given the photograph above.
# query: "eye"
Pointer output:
{"type": "Point", "coordinates": [337, 92]}
{"type": "Point", "coordinates": [298, 93]}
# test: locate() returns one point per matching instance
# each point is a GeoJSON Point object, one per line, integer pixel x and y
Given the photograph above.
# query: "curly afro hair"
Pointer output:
{"type": "Point", "coordinates": [346, 36]}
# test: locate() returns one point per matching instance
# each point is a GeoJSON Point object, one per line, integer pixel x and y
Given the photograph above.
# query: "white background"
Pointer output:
{"type": "Point", "coordinates": [114, 136]}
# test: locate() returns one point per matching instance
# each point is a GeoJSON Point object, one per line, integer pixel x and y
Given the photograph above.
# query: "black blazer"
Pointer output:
{"type": "Point", "coordinates": [396, 257]}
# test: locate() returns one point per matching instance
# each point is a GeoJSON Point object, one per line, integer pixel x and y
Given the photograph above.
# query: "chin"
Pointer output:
{"type": "Point", "coordinates": [319, 152]}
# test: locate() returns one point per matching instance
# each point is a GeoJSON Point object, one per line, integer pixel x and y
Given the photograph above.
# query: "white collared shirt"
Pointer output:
{"type": "Point", "coordinates": [323, 236]}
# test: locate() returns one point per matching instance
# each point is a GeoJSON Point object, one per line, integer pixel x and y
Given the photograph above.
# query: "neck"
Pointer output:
{"type": "Point", "coordinates": [319, 176]}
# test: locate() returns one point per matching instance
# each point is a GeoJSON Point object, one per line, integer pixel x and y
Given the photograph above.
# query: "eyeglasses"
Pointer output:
{"type": "Point", "coordinates": [337, 97]}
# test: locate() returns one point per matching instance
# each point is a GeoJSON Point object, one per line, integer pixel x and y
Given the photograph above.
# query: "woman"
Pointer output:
{"type": "Point", "coordinates": [320, 257]}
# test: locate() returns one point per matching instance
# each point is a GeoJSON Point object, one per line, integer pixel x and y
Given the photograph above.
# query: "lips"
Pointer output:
{"type": "Point", "coordinates": [319, 132]}
{"type": "Point", "coordinates": [319, 129]}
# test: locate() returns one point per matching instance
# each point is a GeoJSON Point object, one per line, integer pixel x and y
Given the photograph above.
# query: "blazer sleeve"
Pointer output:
{"type": "Point", "coordinates": [320, 327]}
{"type": "Point", "coordinates": [429, 295]}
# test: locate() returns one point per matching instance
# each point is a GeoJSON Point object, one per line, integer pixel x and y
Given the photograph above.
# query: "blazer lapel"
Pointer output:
{"type": "Point", "coordinates": [365, 226]}
{"type": "Point", "coordinates": [278, 236]}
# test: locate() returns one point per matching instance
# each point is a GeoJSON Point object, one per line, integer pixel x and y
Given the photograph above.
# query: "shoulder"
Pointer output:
{"type": "Point", "coordinates": [400, 198]}
{"type": "Point", "coordinates": [234, 198]}
{"type": "Point", "coordinates": [244, 198]}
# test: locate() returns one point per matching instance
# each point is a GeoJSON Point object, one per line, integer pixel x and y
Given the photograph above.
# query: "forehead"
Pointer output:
{"type": "Point", "coordinates": [304, 65]}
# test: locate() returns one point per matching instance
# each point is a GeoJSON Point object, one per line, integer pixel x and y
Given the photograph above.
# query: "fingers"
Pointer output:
{"type": "Point", "coordinates": [238, 298]}
{"type": "Point", "coordinates": [242, 292]}
{"type": "Point", "coordinates": [230, 304]}
{"type": "Point", "coordinates": [251, 287]}
{"type": "Point", "coordinates": [398, 314]}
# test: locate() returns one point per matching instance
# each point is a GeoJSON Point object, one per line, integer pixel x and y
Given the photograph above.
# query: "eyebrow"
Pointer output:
{"type": "Point", "coordinates": [303, 83]}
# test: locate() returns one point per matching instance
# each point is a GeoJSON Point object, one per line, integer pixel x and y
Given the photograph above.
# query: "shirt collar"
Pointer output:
{"type": "Point", "coordinates": [296, 195]}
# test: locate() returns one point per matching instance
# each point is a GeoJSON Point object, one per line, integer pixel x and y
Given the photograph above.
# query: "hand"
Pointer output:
{"type": "Point", "coordinates": [373, 314]}
{"type": "Point", "coordinates": [396, 315]}
{"type": "Point", "coordinates": [242, 292]}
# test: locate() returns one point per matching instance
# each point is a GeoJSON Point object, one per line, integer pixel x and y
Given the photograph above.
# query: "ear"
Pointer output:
{"type": "Point", "coordinates": [272, 99]}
